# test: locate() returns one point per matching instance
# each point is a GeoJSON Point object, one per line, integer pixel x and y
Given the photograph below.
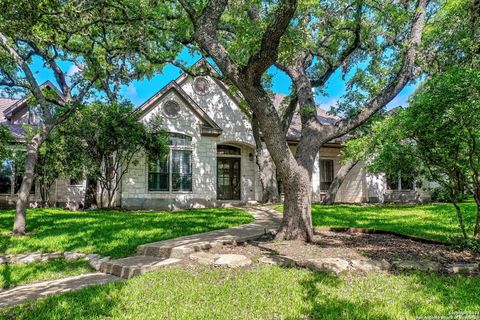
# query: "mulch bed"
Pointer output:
{"type": "Point", "coordinates": [352, 245]}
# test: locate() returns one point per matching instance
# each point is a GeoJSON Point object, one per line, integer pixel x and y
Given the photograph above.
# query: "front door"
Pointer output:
{"type": "Point", "coordinates": [228, 178]}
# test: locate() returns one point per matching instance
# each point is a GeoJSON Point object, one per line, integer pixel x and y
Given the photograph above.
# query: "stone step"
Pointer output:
{"type": "Point", "coordinates": [133, 266]}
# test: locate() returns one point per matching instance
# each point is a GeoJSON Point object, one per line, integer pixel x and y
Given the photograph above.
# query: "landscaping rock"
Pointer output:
{"type": "Point", "coordinates": [277, 261]}
{"type": "Point", "coordinates": [417, 265]}
{"type": "Point", "coordinates": [73, 255]}
{"type": "Point", "coordinates": [331, 265]}
{"type": "Point", "coordinates": [96, 260]}
{"type": "Point", "coordinates": [204, 257]}
{"type": "Point", "coordinates": [3, 260]}
{"type": "Point", "coordinates": [369, 265]}
{"type": "Point", "coordinates": [463, 268]}
{"type": "Point", "coordinates": [232, 261]}
{"type": "Point", "coordinates": [54, 255]}
{"type": "Point", "coordinates": [29, 258]}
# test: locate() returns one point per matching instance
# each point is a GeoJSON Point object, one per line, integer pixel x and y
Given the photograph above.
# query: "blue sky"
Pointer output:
{"type": "Point", "coordinates": [140, 90]}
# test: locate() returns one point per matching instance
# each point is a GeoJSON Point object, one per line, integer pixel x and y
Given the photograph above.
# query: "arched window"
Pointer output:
{"type": "Point", "coordinates": [174, 172]}
{"type": "Point", "coordinates": [178, 139]}
{"type": "Point", "coordinates": [227, 150]}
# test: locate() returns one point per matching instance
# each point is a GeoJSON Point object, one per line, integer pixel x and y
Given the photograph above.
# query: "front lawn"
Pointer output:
{"type": "Point", "coordinates": [21, 273]}
{"type": "Point", "coordinates": [114, 234]}
{"type": "Point", "coordinates": [264, 292]}
{"type": "Point", "coordinates": [433, 221]}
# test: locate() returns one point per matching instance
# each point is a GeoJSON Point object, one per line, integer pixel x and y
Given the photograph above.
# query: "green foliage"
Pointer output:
{"type": "Point", "coordinates": [6, 141]}
{"type": "Point", "coordinates": [452, 36]}
{"type": "Point", "coordinates": [437, 136]}
{"type": "Point", "coordinates": [442, 194]}
{"type": "Point", "coordinates": [105, 138]}
{"type": "Point", "coordinates": [107, 41]}
{"type": "Point", "coordinates": [264, 292]}
{"type": "Point", "coordinates": [110, 233]}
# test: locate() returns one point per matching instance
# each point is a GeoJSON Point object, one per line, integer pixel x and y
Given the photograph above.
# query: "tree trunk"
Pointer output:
{"type": "Point", "coordinates": [460, 218]}
{"type": "Point", "coordinates": [20, 221]}
{"type": "Point", "coordinates": [268, 176]}
{"type": "Point", "coordinates": [297, 218]}
{"type": "Point", "coordinates": [337, 182]}
{"type": "Point", "coordinates": [476, 230]}
{"type": "Point", "coordinates": [266, 167]}
{"type": "Point", "coordinates": [91, 194]}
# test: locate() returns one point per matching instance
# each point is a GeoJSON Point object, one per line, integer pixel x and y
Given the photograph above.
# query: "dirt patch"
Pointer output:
{"type": "Point", "coordinates": [392, 247]}
{"type": "Point", "coordinates": [353, 246]}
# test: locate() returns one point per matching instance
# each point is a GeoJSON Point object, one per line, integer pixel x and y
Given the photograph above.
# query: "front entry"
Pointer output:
{"type": "Point", "coordinates": [228, 178]}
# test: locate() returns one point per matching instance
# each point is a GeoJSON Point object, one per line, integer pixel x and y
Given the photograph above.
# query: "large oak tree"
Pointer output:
{"type": "Point", "coordinates": [101, 40]}
{"type": "Point", "coordinates": [310, 41]}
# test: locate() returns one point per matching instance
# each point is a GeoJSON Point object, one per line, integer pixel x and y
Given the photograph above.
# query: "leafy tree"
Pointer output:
{"type": "Point", "coordinates": [107, 137]}
{"type": "Point", "coordinates": [6, 141]}
{"type": "Point", "coordinates": [103, 41]}
{"type": "Point", "coordinates": [309, 40]}
{"type": "Point", "coordinates": [437, 136]}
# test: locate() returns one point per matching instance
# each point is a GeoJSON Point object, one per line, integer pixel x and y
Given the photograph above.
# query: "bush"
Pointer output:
{"type": "Point", "coordinates": [441, 194]}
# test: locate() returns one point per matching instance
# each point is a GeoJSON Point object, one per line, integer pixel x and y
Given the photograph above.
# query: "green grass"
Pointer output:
{"type": "Point", "coordinates": [264, 292]}
{"type": "Point", "coordinates": [114, 234]}
{"type": "Point", "coordinates": [108, 233]}
{"type": "Point", "coordinates": [21, 273]}
{"type": "Point", "coordinates": [433, 222]}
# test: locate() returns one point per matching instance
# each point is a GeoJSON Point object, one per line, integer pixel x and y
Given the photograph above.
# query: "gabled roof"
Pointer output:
{"type": "Point", "coordinates": [21, 102]}
{"type": "Point", "coordinates": [209, 126]}
{"type": "Point", "coordinates": [295, 129]}
{"type": "Point", "coordinates": [6, 103]}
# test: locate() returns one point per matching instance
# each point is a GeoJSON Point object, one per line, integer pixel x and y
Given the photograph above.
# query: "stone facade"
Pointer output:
{"type": "Point", "coordinates": [206, 112]}
{"type": "Point", "coordinates": [217, 105]}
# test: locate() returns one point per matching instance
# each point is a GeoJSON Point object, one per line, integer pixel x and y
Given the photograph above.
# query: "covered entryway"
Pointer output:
{"type": "Point", "coordinates": [228, 173]}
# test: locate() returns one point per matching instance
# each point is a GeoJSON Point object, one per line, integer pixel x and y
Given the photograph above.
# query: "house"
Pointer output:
{"type": "Point", "coordinates": [211, 160]}
{"type": "Point", "coordinates": [212, 156]}
{"type": "Point", "coordinates": [15, 113]}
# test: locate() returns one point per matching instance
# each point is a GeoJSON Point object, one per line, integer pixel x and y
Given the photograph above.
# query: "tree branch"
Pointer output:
{"type": "Point", "coordinates": [396, 85]}
{"type": "Point", "coordinates": [22, 64]}
{"type": "Point", "coordinates": [267, 55]}
{"type": "Point", "coordinates": [344, 56]}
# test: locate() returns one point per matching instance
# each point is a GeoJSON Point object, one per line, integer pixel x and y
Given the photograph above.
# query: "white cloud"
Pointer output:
{"type": "Point", "coordinates": [72, 70]}
{"type": "Point", "coordinates": [131, 91]}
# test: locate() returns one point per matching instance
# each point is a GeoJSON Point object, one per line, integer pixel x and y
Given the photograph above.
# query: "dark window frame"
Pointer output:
{"type": "Point", "coordinates": [171, 179]}
{"type": "Point", "coordinates": [326, 177]}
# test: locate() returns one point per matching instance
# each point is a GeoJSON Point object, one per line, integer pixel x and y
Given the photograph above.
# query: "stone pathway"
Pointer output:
{"type": "Point", "coordinates": [156, 255]}
{"type": "Point", "coordinates": [149, 257]}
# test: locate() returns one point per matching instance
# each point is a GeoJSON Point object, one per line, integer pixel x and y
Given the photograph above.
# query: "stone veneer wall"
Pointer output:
{"type": "Point", "coordinates": [135, 194]}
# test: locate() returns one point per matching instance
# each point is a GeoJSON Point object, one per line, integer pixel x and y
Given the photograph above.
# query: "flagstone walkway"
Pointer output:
{"type": "Point", "coordinates": [149, 257]}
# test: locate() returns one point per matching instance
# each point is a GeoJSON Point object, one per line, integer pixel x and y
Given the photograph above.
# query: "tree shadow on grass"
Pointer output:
{"type": "Point", "coordinates": [404, 296]}
{"type": "Point", "coordinates": [114, 234]}
{"type": "Point", "coordinates": [322, 305]}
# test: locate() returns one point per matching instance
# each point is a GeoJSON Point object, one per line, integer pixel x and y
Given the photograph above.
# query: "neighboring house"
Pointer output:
{"type": "Point", "coordinates": [212, 156]}
{"type": "Point", "coordinates": [14, 113]}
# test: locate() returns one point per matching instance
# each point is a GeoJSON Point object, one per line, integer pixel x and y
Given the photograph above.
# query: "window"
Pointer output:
{"type": "Point", "coordinates": [176, 139]}
{"type": "Point", "coordinates": [6, 177]}
{"type": "Point", "coordinates": [400, 182]}
{"type": "Point", "coordinates": [228, 150]}
{"type": "Point", "coordinates": [158, 175]}
{"type": "Point", "coordinates": [181, 170]}
{"type": "Point", "coordinates": [326, 174]}
{"type": "Point", "coordinates": [174, 173]}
